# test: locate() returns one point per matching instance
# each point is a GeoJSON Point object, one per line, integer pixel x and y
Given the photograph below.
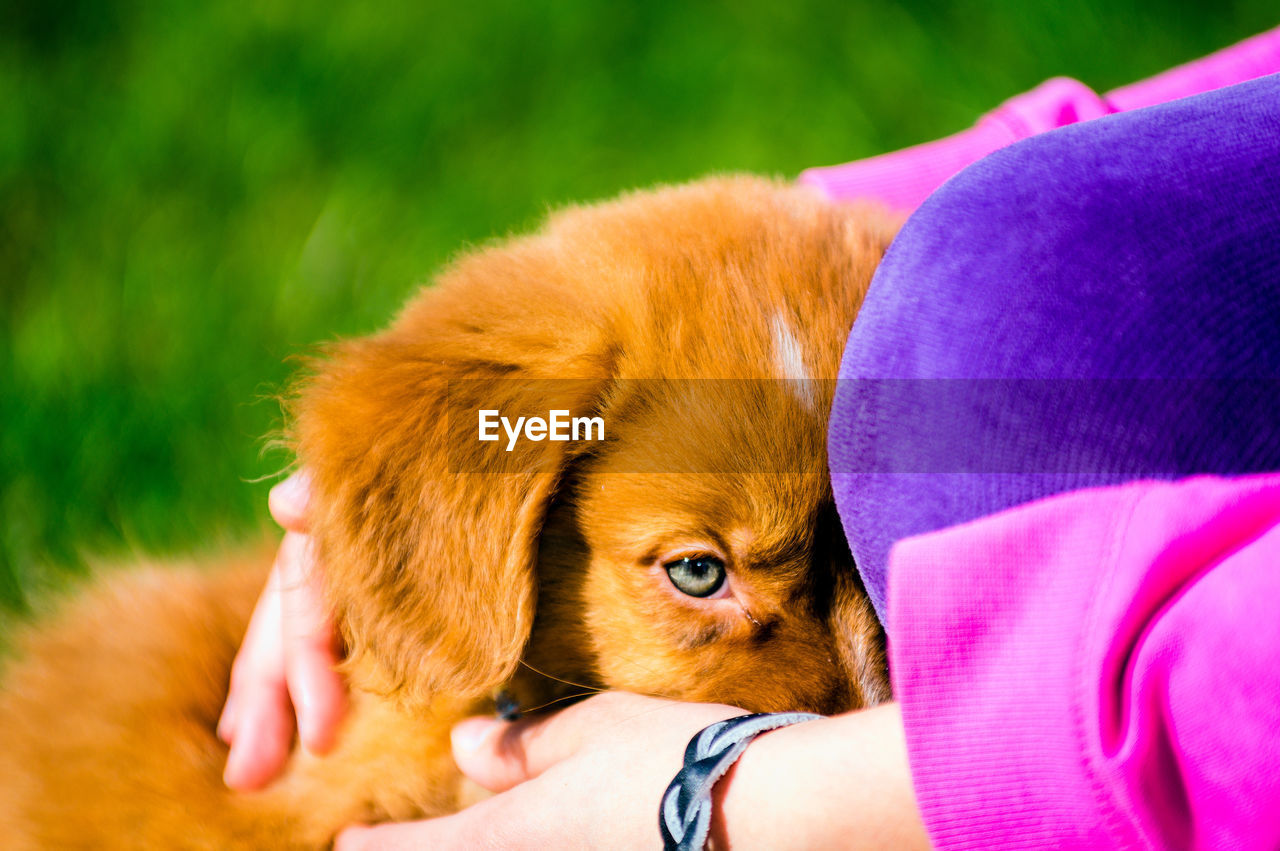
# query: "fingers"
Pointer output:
{"type": "Point", "coordinates": [227, 721]}
{"type": "Point", "coordinates": [264, 733]}
{"type": "Point", "coordinates": [477, 754]}
{"type": "Point", "coordinates": [256, 721]}
{"type": "Point", "coordinates": [288, 501]}
{"type": "Point", "coordinates": [501, 754]}
{"type": "Point", "coordinates": [286, 664]}
{"type": "Point", "coordinates": [287, 661]}
{"type": "Point", "coordinates": [311, 647]}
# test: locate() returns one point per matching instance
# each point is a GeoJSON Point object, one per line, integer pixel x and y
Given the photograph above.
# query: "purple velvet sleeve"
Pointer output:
{"type": "Point", "coordinates": [1126, 271]}
{"type": "Point", "coordinates": [1084, 640]}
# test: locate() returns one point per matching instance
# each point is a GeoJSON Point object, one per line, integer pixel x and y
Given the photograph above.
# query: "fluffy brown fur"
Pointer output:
{"type": "Point", "coordinates": [457, 567]}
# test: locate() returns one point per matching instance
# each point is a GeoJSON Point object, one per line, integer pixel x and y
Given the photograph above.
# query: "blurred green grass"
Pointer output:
{"type": "Point", "coordinates": [191, 192]}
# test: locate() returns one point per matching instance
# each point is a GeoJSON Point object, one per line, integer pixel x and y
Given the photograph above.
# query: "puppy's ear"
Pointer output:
{"type": "Point", "coordinates": [428, 537]}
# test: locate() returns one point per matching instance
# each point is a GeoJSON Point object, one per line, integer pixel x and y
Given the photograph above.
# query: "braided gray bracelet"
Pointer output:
{"type": "Point", "coordinates": [685, 815]}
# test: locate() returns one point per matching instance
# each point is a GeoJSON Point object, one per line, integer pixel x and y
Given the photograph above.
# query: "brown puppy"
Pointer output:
{"type": "Point", "coordinates": [692, 553]}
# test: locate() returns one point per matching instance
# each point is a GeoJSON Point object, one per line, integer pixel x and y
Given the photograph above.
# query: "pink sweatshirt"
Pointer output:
{"type": "Point", "coordinates": [903, 179]}
{"type": "Point", "coordinates": [1097, 669]}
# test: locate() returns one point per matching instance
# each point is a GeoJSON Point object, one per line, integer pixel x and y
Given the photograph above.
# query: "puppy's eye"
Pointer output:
{"type": "Point", "coordinates": [700, 576]}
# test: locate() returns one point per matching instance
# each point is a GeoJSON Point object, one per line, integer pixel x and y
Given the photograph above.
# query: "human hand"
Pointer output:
{"type": "Point", "coordinates": [592, 776]}
{"type": "Point", "coordinates": [286, 663]}
{"type": "Point", "coordinates": [589, 776]}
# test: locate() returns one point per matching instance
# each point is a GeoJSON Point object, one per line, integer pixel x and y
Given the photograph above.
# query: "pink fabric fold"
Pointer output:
{"type": "Point", "coordinates": [1097, 669]}
{"type": "Point", "coordinates": [1252, 58]}
{"type": "Point", "coordinates": [903, 179]}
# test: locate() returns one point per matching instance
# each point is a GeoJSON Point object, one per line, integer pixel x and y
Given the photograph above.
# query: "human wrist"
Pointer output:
{"type": "Point", "coordinates": [839, 782]}
{"type": "Point", "coordinates": [754, 802]}
{"type": "Point", "coordinates": [687, 804]}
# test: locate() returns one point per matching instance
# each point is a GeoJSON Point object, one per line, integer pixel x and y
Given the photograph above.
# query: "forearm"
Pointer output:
{"type": "Point", "coordinates": [840, 782]}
